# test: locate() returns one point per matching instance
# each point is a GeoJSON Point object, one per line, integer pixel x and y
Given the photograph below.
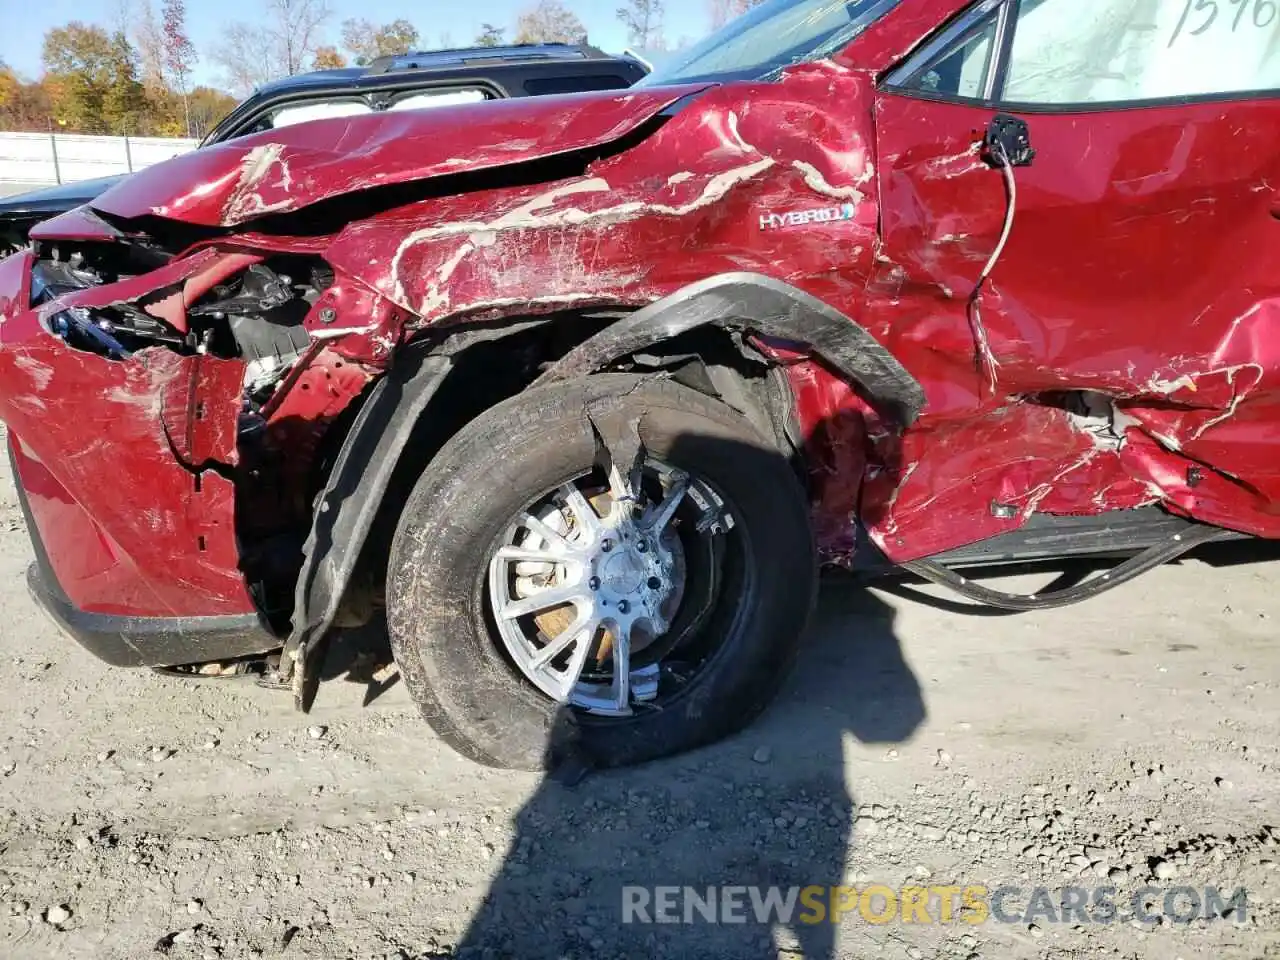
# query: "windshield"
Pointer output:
{"type": "Point", "coordinates": [771, 36]}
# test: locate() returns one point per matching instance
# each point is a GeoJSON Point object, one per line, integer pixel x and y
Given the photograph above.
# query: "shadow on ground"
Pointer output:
{"type": "Point", "coordinates": [725, 815]}
{"type": "Point", "coordinates": [362, 655]}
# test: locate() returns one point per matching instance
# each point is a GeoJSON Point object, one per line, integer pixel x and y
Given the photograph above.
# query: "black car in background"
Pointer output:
{"type": "Point", "coordinates": [402, 82]}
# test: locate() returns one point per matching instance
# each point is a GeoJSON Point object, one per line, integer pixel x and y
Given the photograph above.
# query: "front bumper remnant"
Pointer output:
{"type": "Point", "coordinates": [151, 641]}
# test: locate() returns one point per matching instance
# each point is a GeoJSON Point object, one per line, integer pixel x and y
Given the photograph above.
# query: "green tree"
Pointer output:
{"type": "Point", "coordinates": [94, 80]}
{"type": "Point", "coordinates": [490, 36]}
{"type": "Point", "coordinates": [125, 104]}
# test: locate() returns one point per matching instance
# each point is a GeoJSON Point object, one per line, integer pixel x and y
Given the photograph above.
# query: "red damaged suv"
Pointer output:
{"type": "Point", "coordinates": [584, 388]}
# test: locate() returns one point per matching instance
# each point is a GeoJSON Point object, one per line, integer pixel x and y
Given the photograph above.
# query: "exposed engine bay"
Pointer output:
{"type": "Point", "coordinates": [254, 316]}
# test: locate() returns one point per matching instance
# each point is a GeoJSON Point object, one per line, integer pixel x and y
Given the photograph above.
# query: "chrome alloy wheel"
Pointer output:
{"type": "Point", "coordinates": [586, 583]}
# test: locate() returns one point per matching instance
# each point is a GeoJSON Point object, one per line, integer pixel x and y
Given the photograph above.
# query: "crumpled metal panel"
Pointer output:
{"type": "Point", "coordinates": [1139, 269]}
{"type": "Point", "coordinates": [130, 523]}
{"type": "Point", "coordinates": [837, 447]}
{"type": "Point", "coordinates": [282, 170]}
{"type": "Point", "coordinates": [965, 480]}
{"type": "Point", "coordinates": [109, 476]}
{"type": "Point", "coordinates": [686, 203]}
{"type": "Point", "coordinates": [80, 223]}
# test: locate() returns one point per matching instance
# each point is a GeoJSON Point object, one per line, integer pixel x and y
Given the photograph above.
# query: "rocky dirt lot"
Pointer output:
{"type": "Point", "coordinates": [1126, 742]}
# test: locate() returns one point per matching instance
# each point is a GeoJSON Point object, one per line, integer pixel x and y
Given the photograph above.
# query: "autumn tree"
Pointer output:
{"type": "Point", "coordinates": [490, 36]}
{"type": "Point", "coordinates": [23, 106]}
{"type": "Point", "coordinates": [643, 20]}
{"type": "Point", "coordinates": [208, 106]}
{"type": "Point", "coordinates": [78, 56]}
{"type": "Point", "coordinates": [367, 42]}
{"type": "Point", "coordinates": [281, 43]}
{"type": "Point", "coordinates": [550, 22]}
{"type": "Point", "coordinates": [9, 86]}
{"type": "Point", "coordinates": [92, 84]}
{"type": "Point", "coordinates": [179, 52]}
{"type": "Point", "coordinates": [328, 58]}
{"type": "Point", "coordinates": [93, 76]}
{"type": "Point", "coordinates": [125, 104]}
{"type": "Point", "coordinates": [148, 40]}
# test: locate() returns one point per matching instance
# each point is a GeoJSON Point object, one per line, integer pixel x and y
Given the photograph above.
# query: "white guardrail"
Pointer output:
{"type": "Point", "coordinates": [48, 158]}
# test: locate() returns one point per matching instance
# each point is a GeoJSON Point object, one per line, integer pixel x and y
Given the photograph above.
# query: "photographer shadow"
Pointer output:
{"type": "Point", "coordinates": [770, 808]}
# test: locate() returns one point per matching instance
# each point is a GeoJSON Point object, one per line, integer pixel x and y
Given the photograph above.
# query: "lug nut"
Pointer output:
{"type": "Point", "coordinates": [654, 583]}
{"type": "Point", "coordinates": [623, 606]}
{"type": "Point", "coordinates": [606, 545]}
{"type": "Point", "coordinates": [642, 546]}
{"type": "Point", "coordinates": [594, 583]}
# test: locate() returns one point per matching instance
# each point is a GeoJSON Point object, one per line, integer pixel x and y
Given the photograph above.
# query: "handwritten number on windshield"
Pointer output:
{"type": "Point", "coordinates": [1199, 15]}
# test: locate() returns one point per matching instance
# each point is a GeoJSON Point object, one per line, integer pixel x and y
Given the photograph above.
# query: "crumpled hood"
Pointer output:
{"type": "Point", "coordinates": [287, 169]}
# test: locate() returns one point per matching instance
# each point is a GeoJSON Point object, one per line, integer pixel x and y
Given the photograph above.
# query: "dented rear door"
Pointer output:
{"type": "Point", "coordinates": [1140, 262]}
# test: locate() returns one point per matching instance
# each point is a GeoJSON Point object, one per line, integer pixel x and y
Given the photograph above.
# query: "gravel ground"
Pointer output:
{"type": "Point", "coordinates": [1126, 742]}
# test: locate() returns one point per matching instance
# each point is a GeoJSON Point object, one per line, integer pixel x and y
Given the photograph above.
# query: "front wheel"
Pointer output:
{"type": "Point", "coordinates": [620, 564]}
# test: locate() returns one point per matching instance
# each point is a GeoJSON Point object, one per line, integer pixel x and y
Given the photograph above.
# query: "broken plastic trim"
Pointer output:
{"type": "Point", "coordinates": [345, 512]}
{"type": "Point", "coordinates": [1148, 560]}
{"type": "Point", "coordinates": [760, 304]}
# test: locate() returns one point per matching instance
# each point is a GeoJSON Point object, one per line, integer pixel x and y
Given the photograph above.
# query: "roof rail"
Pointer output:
{"type": "Point", "coordinates": [427, 59]}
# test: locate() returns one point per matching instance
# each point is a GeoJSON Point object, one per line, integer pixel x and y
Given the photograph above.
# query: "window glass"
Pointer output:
{"type": "Point", "coordinates": [321, 110]}
{"type": "Point", "coordinates": [771, 35]}
{"type": "Point", "coordinates": [1106, 51]}
{"type": "Point", "coordinates": [960, 70]}
{"type": "Point", "coordinates": [538, 86]}
{"type": "Point", "coordinates": [427, 99]}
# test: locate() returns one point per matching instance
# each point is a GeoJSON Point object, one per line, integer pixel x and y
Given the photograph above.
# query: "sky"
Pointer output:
{"type": "Point", "coordinates": [24, 22]}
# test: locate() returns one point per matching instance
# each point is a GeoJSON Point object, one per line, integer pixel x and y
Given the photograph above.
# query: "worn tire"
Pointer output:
{"type": "Point", "coordinates": [453, 665]}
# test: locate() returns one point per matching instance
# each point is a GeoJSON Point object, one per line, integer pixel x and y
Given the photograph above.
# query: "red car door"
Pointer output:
{"type": "Point", "coordinates": [1141, 258]}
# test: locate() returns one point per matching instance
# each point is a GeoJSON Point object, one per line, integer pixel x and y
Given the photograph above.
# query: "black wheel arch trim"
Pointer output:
{"type": "Point", "coordinates": [760, 304]}
{"type": "Point", "coordinates": [348, 505]}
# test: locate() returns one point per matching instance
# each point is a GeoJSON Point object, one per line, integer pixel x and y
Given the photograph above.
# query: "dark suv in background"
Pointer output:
{"type": "Point", "coordinates": [403, 82]}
